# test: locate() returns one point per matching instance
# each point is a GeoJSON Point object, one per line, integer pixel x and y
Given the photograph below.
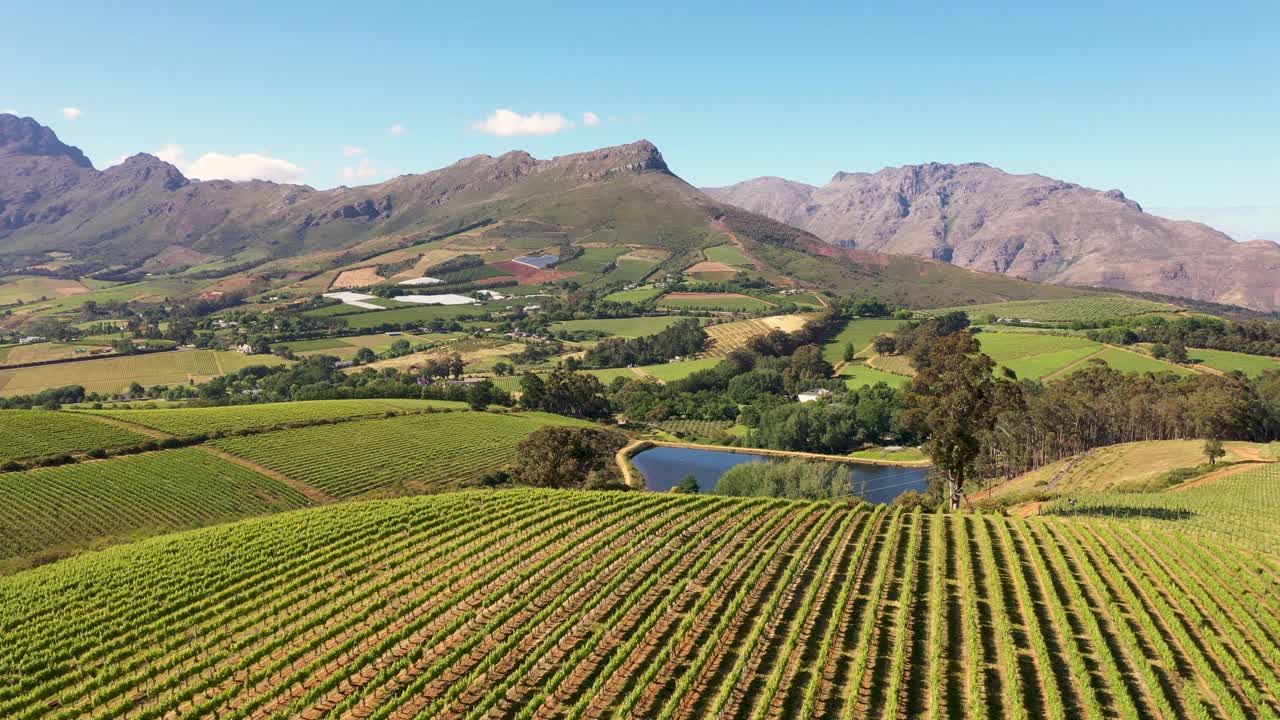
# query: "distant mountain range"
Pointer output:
{"type": "Point", "coordinates": [1028, 226]}
{"type": "Point", "coordinates": [911, 235]}
{"type": "Point", "coordinates": [144, 216]}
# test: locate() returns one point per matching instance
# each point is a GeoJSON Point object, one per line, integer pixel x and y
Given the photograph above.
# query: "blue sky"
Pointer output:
{"type": "Point", "coordinates": [1178, 104]}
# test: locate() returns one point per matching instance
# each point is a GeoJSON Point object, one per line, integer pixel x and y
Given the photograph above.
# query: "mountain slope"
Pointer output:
{"type": "Point", "coordinates": [1028, 226]}
{"type": "Point", "coordinates": [144, 214]}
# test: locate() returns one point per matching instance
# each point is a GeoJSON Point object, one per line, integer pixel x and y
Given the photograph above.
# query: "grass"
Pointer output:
{"type": "Point", "coordinates": [593, 260]}
{"type": "Point", "coordinates": [906, 454]}
{"type": "Point", "coordinates": [628, 270]}
{"type": "Point", "coordinates": [859, 332]}
{"type": "Point", "coordinates": [727, 337]}
{"type": "Point", "coordinates": [637, 295]}
{"type": "Point", "coordinates": [115, 374]}
{"type": "Point", "coordinates": [37, 433]}
{"type": "Point", "coordinates": [648, 605]}
{"type": "Point", "coordinates": [671, 371]}
{"type": "Point", "coordinates": [42, 352]}
{"type": "Point", "coordinates": [187, 422]}
{"type": "Point", "coordinates": [856, 375]}
{"type": "Point", "coordinates": [607, 375]}
{"type": "Point", "coordinates": [1133, 361]}
{"type": "Point", "coordinates": [27, 289]}
{"type": "Point", "coordinates": [726, 302]}
{"type": "Point", "coordinates": [622, 327]}
{"type": "Point", "coordinates": [76, 506]}
{"type": "Point", "coordinates": [1226, 361]}
{"type": "Point", "coordinates": [1064, 311]}
{"type": "Point", "coordinates": [727, 254]}
{"type": "Point", "coordinates": [1035, 355]}
{"type": "Point", "coordinates": [1128, 466]}
{"type": "Point", "coordinates": [417, 453]}
{"type": "Point", "coordinates": [409, 315]}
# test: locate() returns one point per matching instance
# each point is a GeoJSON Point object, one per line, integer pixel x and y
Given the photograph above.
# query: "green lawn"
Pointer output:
{"type": "Point", "coordinates": [860, 332]}
{"type": "Point", "coordinates": [1132, 361]}
{"type": "Point", "coordinates": [906, 454]}
{"type": "Point", "coordinates": [1035, 355]}
{"type": "Point", "coordinates": [623, 327]}
{"type": "Point", "coordinates": [1227, 361]}
{"type": "Point", "coordinates": [856, 375]}
{"type": "Point", "coordinates": [114, 374]}
{"type": "Point", "coordinates": [637, 295]}
{"type": "Point", "coordinates": [629, 270]}
{"type": "Point", "coordinates": [401, 316]}
{"type": "Point", "coordinates": [1068, 310]}
{"type": "Point", "coordinates": [608, 374]}
{"type": "Point", "coordinates": [727, 254]}
{"type": "Point", "coordinates": [679, 370]}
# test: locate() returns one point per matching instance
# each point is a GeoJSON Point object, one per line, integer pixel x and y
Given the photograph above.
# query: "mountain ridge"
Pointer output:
{"type": "Point", "coordinates": [1030, 226]}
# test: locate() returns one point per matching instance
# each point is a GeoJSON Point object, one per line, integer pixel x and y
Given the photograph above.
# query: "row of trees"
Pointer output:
{"type": "Point", "coordinates": [1255, 337]}
{"type": "Point", "coordinates": [682, 339]}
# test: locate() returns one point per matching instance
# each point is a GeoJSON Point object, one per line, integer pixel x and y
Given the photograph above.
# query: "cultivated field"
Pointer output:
{"type": "Point", "coordinates": [68, 507]}
{"type": "Point", "coordinates": [727, 337]}
{"type": "Point", "coordinates": [637, 295]}
{"type": "Point", "coordinates": [417, 453]}
{"type": "Point", "coordinates": [567, 604]}
{"type": "Point", "coordinates": [1134, 361]}
{"type": "Point", "coordinates": [37, 433]}
{"type": "Point", "coordinates": [726, 302]}
{"type": "Point", "coordinates": [1226, 361]}
{"type": "Point", "coordinates": [1064, 311]}
{"type": "Point", "coordinates": [188, 422]}
{"type": "Point", "coordinates": [114, 374]}
{"type": "Point", "coordinates": [857, 374]}
{"type": "Point", "coordinates": [729, 255]}
{"type": "Point", "coordinates": [622, 327]}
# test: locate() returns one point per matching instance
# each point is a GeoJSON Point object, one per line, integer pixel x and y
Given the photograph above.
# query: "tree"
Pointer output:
{"type": "Point", "coordinates": [532, 391]}
{"type": "Point", "coordinates": [1178, 352]}
{"type": "Point", "coordinates": [1159, 351]}
{"type": "Point", "coordinates": [687, 486]}
{"type": "Point", "coordinates": [951, 400]}
{"type": "Point", "coordinates": [885, 345]}
{"type": "Point", "coordinates": [480, 395]}
{"type": "Point", "coordinates": [1213, 450]}
{"type": "Point", "coordinates": [849, 352]}
{"type": "Point", "coordinates": [502, 368]}
{"type": "Point", "coordinates": [365, 355]}
{"type": "Point", "coordinates": [566, 457]}
{"type": "Point", "coordinates": [400, 348]}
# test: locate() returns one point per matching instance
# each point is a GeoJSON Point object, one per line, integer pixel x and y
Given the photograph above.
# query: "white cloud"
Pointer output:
{"type": "Point", "coordinates": [8, 112]}
{"type": "Point", "coordinates": [397, 130]}
{"type": "Point", "coordinates": [615, 118]}
{"type": "Point", "coordinates": [590, 119]}
{"type": "Point", "coordinates": [72, 113]}
{"type": "Point", "coordinates": [505, 123]}
{"type": "Point", "coordinates": [1245, 222]}
{"type": "Point", "coordinates": [173, 154]}
{"type": "Point", "coordinates": [364, 170]}
{"type": "Point", "coordinates": [248, 166]}
{"type": "Point", "coordinates": [352, 151]}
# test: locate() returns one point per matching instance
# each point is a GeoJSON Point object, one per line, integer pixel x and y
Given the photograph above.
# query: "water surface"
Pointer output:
{"type": "Point", "coordinates": [664, 467]}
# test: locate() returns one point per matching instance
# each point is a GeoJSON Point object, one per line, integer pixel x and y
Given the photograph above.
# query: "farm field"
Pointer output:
{"type": "Point", "coordinates": [725, 302]}
{"type": "Point", "coordinates": [1134, 361]}
{"type": "Point", "coordinates": [72, 506]}
{"type": "Point", "coordinates": [858, 332]}
{"type": "Point", "coordinates": [345, 347]}
{"type": "Point", "coordinates": [45, 351]}
{"type": "Point", "coordinates": [1226, 361]}
{"type": "Point", "coordinates": [1129, 466]}
{"type": "Point", "coordinates": [1242, 508]}
{"type": "Point", "coordinates": [628, 270]}
{"type": "Point", "coordinates": [188, 422]}
{"type": "Point", "coordinates": [729, 255]}
{"type": "Point", "coordinates": [1035, 355]}
{"type": "Point", "coordinates": [727, 337]}
{"type": "Point", "coordinates": [594, 259]}
{"type": "Point", "coordinates": [681, 427]}
{"type": "Point", "coordinates": [37, 433]}
{"type": "Point", "coordinates": [1064, 311]}
{"type": "Point", "coordinates": [679, 370]}
{"type": "Point", "coordinates": [114, 374]}
{"type": "Point", "coordinates": [31, 288]}
{"type": "Point", "coordinates": [400, 316]}
{"type": "Point", "coordinates": [621, 327]}
{"type": "Point", "coordinates": [857, 374]}
{"type": "Point", "coordinates": [638, 295]}
{"type": "Point", "coordinates": [411, 454]}
{"type": "Point", "coordinates": [599, 604]}
{"type": "Point", "coordinates": [899, 365]}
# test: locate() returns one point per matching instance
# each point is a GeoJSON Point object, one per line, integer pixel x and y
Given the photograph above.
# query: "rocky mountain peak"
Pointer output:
{"type": "Point", "coordinates": [25, 136]}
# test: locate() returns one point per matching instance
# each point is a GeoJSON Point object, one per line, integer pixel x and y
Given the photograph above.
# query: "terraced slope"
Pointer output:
{"type": "Point", "coordinates": [417, 453]}
{"type": "Point", "coordinates": [69, 507]}
{"type": "Point", "coordinates": [592, 604]}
